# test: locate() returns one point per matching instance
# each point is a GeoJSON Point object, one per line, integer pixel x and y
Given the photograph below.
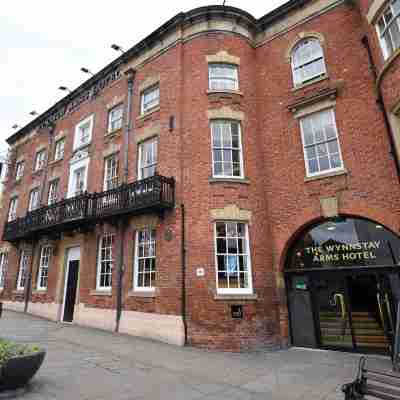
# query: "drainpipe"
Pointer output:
{"type": "Point", "coordinates": [130, 74]}
{"type": "Point", "coordinates": [382, 107]}
{"type": "Point", "coordinates": [28, 283]}
{"type": "Point", "coordinates": [183, 255]}
{"type": "Point", "coordinates": [120, 271]}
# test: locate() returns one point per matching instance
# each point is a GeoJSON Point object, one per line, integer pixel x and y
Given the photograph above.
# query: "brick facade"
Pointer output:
{"type": "Point", "coordinates": [275, 195]}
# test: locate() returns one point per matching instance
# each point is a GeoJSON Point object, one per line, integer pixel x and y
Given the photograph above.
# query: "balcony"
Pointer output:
{"type": "Point", "coordinates": [155, 194]}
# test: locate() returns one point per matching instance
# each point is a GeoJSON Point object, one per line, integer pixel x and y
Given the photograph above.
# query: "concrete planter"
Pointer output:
{"type": "Point", "coordinates": [18, 371]}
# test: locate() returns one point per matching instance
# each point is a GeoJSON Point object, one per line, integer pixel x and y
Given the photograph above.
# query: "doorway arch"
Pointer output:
{"type": "Point", "coordinates": [343, 284]}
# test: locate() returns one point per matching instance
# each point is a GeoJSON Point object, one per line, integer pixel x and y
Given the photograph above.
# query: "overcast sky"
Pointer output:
{"type": "Point", "coordinates": [43, 44]}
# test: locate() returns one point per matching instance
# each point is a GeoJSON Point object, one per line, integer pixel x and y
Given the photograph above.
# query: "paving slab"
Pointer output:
{"type": "Point", "coordinates": [90, 364]}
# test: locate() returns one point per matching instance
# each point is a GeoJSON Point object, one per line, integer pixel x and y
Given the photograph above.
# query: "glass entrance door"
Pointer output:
{"type": "Point", "coordinates": [333, 311]}
{"type": "Point", "coordinates": [370, 320]}
{"type": "Point", "coordinates": [353, 311]}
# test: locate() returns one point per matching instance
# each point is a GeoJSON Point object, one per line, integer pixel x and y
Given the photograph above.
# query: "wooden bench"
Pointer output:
{"type": "Point", "coordinates": [379, 384]}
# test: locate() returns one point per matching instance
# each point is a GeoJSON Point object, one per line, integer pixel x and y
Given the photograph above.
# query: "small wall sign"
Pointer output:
{"type": "Point", "coordinates": [200, 272]}
{"type": "Point", "coordinates": [237, 311]}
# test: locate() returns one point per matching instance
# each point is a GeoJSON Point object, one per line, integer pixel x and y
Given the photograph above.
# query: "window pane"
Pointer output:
{"type": "Point", "coordinates": [221, 245]}
{"type": "Point", "coordinates": [308, 136]}
{"type": "Point", "coordinates": [217, 154]}
{"type": "Point", "coordinates": [242, 246]}
{"type": "Point", "coordinates": [322, 150]}
{"type": "Point", "coordinates": [221, 231]}
{"type": "Point", "coordinates": [312, 166]}
{"type": "Point", "coordinates": [236, 169]}
{"type": "Point", "coordinates": [226, 136]}
{"type": "Point", "coordinates": [227, 156]}
{"type": "Point", "coordinates": [395, 34]}
{"type": "Point", "coordinates": [228, 169]}
{"type": "Point", "coordinates": [333, 147]}
{"type": "Point", "coordinates": [218, 168]}
{"type": "Point", "coordinates": [336, 162]}
{"type": "Point", "coordinates": [311, 152]}
{"type": "Point", "coordinates": [324, 163]}
{"type": "Point", "coordinates": [222, 280]}
{"type": "Point", "coordinates": [221, 263]}
{"type": "Point", "coordinates": [241, 230]}
{"type": "Point", "coordinates": [232, 246]}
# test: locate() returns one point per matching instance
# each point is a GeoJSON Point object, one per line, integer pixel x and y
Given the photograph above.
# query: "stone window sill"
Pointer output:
{"type": "Point", "coordinates": [100, 293]}
{"type": "Point", "coordinates": [222, 92]}
{"type": "Point", "coordinates": [311, 82]}
{"type": "Point", "coordinates": [39, 291]}
{"type": "Point", "coordinates": [55, 162]}
{"type": "Point", "coordinates": [242, 181]}
{"type": "Point", "coordinates": [145, 294]}
{"type": "Point", "coordinates": [326, 175]}
{"type": "Point", "coordinates": [82, 147]}
{"type": "Point", "coordinates": [142, 117]}
{"type": "Point", "coordinates": [235, 297]}
{"type": "Point", "coordinates": [18, 291]}
{"type": "Point", "coordinates": [111, 135]}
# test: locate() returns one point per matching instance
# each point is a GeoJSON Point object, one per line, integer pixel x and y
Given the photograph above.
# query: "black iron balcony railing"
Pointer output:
{"type": "Point", "coordinates": [154, 194]}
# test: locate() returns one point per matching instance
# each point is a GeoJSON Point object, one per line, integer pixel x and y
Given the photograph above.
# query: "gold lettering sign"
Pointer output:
{"type": "Point", "coordinates": [331, 253]}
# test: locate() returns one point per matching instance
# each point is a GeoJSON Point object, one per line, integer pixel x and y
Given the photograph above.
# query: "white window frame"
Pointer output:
{"type": "Point", "coordinates": [52, 195]}
{"type": "Point", "coordinates": [44, 266]}
{"type": "Point", "coordinates": [23, 267]}
{"type": "Point", "coordinates": [3, 268]}
{"type": "Point", "coordinates": [223, 78]}
{"type": "Point", "coordinates": [19, 173]}
{"type": "Point", "coordinates": [240, 149]}
{"type": "Point", "coordinates": [386, 51]}
{"type": "Point", "coordinates": [89, 122]}
{"type": "Point", "coordinates": [84, 163]}
{"type": "Point", "coordinates": [153, 142]}
{"type": "Point", "coordinates": [309, 79]}
{"type": "Point", "coordinates": [34, 199]}
{"type": "Point", "coordinates": [100, 260]}
{"type": "Point", "coordinates": [40, 160]}
{"type": "Point", "coordinates": [144, 109]}
{"type": "Point", "coordinates": [112, 120]}
{"type": "Point", "coordinates": [248, 290]}
{"type": "Point", "coordinates": [110, 172]}
{"type": "Point", "coordinates": [59, 149]}
{"type": "Point", "coordinates": [326, 171]}
{"type": "Point", "coordinates": [12, 209]}
{"type": "Point", "coordinates": [153, 241]}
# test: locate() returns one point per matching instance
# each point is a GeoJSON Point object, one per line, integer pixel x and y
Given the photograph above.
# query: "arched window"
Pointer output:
{"type": "Point", "coordinates": [307, 61]}
{"type": "Point", "coordinates": [344, 242]}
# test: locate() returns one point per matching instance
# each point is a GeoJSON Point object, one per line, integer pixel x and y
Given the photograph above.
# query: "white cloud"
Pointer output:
{"type": "Point", "coordinates": [44, 44]}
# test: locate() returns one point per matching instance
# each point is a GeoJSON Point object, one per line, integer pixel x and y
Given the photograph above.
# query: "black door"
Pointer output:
{"type": "Point", "coordinates": [301, 311]}
{"type": "Point", "coordinates": [70, 293]}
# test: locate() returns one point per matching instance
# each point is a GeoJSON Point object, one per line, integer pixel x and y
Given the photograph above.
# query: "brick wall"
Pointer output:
{"type": "Point", "coordinates": [281, 202]}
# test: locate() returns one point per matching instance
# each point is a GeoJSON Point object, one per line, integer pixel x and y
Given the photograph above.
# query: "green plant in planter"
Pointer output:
{"type": "Point", "coordinates": [18, 363]}
{"type": "Point", "coordinates": [10, 349]}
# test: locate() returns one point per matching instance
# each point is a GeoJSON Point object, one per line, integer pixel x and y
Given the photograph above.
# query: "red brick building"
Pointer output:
{"type": "Point", "coordinates": [227, 182]}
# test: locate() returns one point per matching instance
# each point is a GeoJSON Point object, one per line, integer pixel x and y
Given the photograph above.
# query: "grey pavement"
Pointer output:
{"type": "Point", "coordinates": [84, 363]}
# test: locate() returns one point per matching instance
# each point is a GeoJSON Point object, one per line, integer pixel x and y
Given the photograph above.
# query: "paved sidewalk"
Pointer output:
{"type": "Point", "coordinates": [89, 364]}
